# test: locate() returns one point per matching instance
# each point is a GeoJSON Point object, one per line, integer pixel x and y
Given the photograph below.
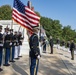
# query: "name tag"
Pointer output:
{"type": "Point", "coordinates": [1, 44]}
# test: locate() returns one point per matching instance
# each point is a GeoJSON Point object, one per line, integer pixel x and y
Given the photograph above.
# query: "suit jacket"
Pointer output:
{"type": "Point", "coordinates": [72, 46]}
{"type": "Point", "coordinates": [51, 42]}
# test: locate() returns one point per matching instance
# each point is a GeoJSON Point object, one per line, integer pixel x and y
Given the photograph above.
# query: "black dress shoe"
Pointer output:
{"type": "Point", "coordinates": [72, 58]}
{"type": "Point", "coordinates": [12, 61]}
{"type": "Point", "coordinates": [19, 56]}
{"type": "Point", "coordinates": [51, 53]}
{"type": "Point", "coordinates": [1, 69]}
{"type": "Point", "coordinates": [44, 52]}
{"type": "Point", "coordinates": [6, 64]}
{"type": "Point", "coordinates": [16, 58]}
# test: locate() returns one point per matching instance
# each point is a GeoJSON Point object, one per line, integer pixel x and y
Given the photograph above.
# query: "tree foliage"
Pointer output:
{"type": "Point", "coordinates": [5, 12]}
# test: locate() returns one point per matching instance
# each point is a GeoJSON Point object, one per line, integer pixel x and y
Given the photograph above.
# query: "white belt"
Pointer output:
{"type": "Point", "coordinates": [1, 44]}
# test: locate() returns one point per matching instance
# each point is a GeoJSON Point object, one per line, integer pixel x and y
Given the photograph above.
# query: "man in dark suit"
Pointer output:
{"type": "Point", "coordinates": [34, 51]}
{"type": "Point", "coordinates": [1, 47]}
{"type": "Point", "coordinates": [51, 44]}
{"type": "Point", "coordinates": [72, 47]}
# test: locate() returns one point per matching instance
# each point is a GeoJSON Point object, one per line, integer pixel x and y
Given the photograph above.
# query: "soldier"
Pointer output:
{"type": "Point", "coordinates": [20, 39]}
{"type": "Point", "coordinates": [34, 51]}
{"type": "Point", "coordinates": [16, 45]}
{"type": "Point", "coordinates": [72, 47]}
{"type": "Point", "coordinates": [7, 46]}
{"type": "Point", "coordinates": [1, 47]}
{"type": "Point", "coordinates": [12, 48]}
{"type": "Point", "coordinates": [51, 44]}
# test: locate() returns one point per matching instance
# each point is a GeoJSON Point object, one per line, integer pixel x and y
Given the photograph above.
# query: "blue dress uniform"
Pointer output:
{"type": "Point", "coordinates": [16, 45]}
{"type": "Point", "coordinates": [7, 47]}
{"type": "Point", "coordinates": [34, 52]}
{"type": "Point", "coordinates": [1, 47]}
{"type": "Point", "coordinates": [12, 48]}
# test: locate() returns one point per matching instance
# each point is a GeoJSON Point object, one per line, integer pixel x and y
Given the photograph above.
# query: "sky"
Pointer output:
{"type": "Point", "coordinates": [62, 10]}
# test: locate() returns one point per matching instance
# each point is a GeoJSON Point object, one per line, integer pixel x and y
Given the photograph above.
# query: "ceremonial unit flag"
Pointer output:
{"type": "Point", "coordinates": [24, 15]}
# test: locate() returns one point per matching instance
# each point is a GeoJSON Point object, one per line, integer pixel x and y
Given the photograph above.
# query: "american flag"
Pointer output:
{"type": "Point", "coordinates": [24, 15]}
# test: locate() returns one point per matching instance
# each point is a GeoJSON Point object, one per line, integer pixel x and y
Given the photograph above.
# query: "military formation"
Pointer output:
{"type": "Point", "coordinates": [10, 43]}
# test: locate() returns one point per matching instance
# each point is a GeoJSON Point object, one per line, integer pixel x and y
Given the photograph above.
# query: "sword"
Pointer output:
{"type": "Point", "coordinates": [37, 66]}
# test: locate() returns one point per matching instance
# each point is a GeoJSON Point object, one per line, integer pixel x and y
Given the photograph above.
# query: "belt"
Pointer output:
{"type": "Point", "coordinates": [8, 41]}
{"type": "Point", "coordinates": [15, 40]}
{"type": "Point", "coordinates": [33, 47]}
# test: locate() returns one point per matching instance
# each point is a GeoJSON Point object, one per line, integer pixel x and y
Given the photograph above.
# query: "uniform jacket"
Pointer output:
{"type": "Point", "coordinates": [1, 40]}
{"type": "Point", "coordinates": [51, 42]}
{"type": "Point", "coordinates": [15, 39]}
{"type": "Point", "coordinates": [34, 46]}
{"type": "Point", "coordinates": [7, 41]}
{"type": "Point", "coordinates": [72, 46]}
{"type": "Point", "coordinates": [20, 38]}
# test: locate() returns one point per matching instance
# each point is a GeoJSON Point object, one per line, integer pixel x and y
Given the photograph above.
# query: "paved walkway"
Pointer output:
{"type": "Point", "coordinates": [59, 63]}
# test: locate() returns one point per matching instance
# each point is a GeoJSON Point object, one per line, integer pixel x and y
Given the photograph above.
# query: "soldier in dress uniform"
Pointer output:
{"type": "Point", "coordinates": [7, 44]}
{"type": "Point", "coordinates": [20, 39]}
{"type": "Point", "coordinates": [34, 51]}
{"type": "Point", "coordinates": [1, 47]}
{"type": "Point", "coordinates": [16, 45]}
{"type": "Point", "coordinates": [12, 48]}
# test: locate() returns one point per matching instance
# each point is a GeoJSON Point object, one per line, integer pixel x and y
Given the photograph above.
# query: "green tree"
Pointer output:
{"type": "Point", "coordinates": [68, 33]}
{"type": "Point", "coordinates": [52, 27]}
{"type": "Point", "coordinates": [5, 12]}
{"type": "Point", "coordinates": [38, 13]}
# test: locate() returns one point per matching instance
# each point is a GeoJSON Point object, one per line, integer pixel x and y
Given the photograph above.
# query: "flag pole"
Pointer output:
{"type": "Point", "coordinates": [12, 21]}
{"type": "Point", "coordinates": [12, 24]}
{"type": "Point", "coordinates": [40, 33]}
{"type": "Point", "coordinates": [29, 5]}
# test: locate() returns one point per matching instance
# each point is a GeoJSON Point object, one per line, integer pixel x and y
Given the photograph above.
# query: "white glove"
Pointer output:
{"type": "Point", "coordinates": [14, 43]}
{"type": "Point", "coordinates": [10, 43]}
{"type": "Point", "coordinates": [38, 56]}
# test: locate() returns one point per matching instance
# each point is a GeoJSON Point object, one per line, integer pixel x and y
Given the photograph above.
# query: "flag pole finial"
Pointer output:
{"type": "Point", "coordinates": [29, 4]}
